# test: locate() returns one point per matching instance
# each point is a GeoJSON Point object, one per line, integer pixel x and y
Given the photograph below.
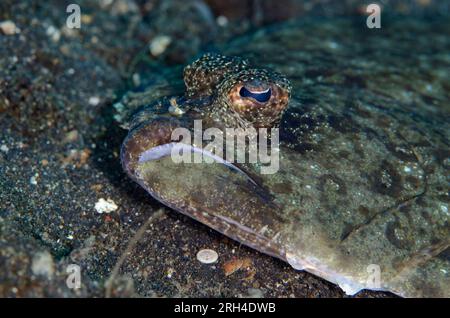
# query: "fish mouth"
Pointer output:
{"type": "Point", "coordinates": [169, 149]}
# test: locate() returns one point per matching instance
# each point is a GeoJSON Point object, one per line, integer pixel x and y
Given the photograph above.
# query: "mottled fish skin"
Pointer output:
{"type": "Point", "coordinates": [368, 125]}
{"type": "Point", "coordinates": [363, 170]}
{"type": "Point", "coordinates": [203, 75]}
{"type": "Point", "coordinates": [221, 78]}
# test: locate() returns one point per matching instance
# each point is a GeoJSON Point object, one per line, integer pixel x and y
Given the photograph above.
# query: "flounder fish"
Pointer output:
{"type": "Point", "coordinates": [359, 193]}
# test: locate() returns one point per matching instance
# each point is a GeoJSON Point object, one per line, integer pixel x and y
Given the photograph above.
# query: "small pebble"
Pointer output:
{"type": "Point", "coordinates": [159, 44]}
{"type": "Point", "coordinates": [9, 28]}
{"type": "Point", "coordinates": [42, 265]}
{"type": "Point", "coordinates": [105, 206]}
{"type": "Point", "coordinates": [170, 272]}
{"type": "Point", "coordinates": [222, 21]}
{"type": "Point", "coordinates": [444, 209]}
{"type": "Point", "coordinates": [94, 100]}
{"type": "Point", "coordinates": [255, 293]}
{"type": "Point", "coordinates": [53, 33]}
{"type": "Point", "coordinates": [86, 19]}
{"type": "Point", "coordinates": [207, 256]}
{"type": "Point", "coordinates": [33, 179]}
{"type": "Point", "coordinates": [136, 79]}
{"type": "Point", "coordinates": [71, 136]}
{"type": "Point", "coordinates": [333, 45]}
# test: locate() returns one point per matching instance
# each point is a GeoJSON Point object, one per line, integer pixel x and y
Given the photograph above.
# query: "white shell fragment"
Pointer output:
{"type": "Point", "coordinates": [105, 206]}
{"type": "Point", "coordinates": [94, 100]}
{"type": "Point", "coordinates": [207, 256]}
{"type": "Point", "coordinates": [9, 28]}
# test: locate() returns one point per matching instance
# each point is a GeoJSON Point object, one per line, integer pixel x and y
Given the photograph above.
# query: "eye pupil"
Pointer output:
{"type": "Point", "coordinates": [260, 97]}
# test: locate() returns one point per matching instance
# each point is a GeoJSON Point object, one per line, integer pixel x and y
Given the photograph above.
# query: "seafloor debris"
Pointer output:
{"type": "Point", "coordinates": [105, 206]}
{"type": "Point", "coordinates": [207, 256]}
{"type": "Point", "coordinates": [236, 264]}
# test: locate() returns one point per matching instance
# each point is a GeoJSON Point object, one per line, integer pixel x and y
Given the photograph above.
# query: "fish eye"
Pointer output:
{"type": "Point", "coordinates": [261, 97]}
